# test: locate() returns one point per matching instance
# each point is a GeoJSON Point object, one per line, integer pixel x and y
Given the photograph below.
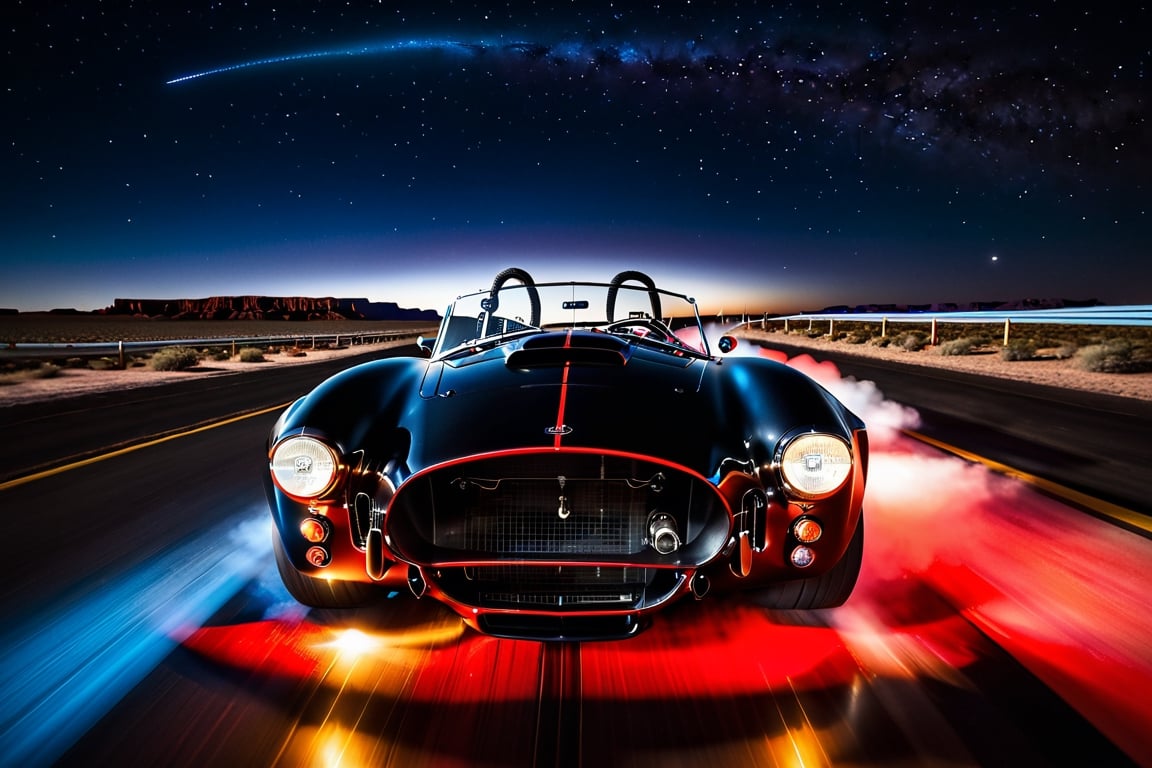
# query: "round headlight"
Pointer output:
{"type": "Point", "coordinates": [815, 465]}
{"type": "Point", "coordinates": [304, 467]}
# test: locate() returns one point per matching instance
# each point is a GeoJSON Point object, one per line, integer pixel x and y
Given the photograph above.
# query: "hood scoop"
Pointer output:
{"type": "Point", "coordinates": [584, 348]}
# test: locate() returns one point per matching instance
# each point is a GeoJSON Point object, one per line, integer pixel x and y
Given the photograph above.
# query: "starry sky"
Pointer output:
{"type": "Point", "coordinates": [760, 156]}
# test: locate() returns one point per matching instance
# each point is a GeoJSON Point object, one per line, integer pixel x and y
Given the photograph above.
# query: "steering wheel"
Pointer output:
{"type": "Point", "coordinates": [655, 326]}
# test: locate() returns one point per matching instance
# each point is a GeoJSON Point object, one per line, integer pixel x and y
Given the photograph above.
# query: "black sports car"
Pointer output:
{"type": "Point", "coordinates": [566, 460]}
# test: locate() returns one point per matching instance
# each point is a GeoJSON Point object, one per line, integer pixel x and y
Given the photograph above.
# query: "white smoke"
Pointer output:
{"type": "Point", "coordinates": [884, 418]}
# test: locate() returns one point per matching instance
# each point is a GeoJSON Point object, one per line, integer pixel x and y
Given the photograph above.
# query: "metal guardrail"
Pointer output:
{"type": "Point", "coordinates": [1127, 315]}
{"type": "Point", "coordinates": [54, 350]}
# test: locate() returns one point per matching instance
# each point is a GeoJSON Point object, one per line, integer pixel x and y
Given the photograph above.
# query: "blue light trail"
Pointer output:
{"type": "Point", "coordinates": [68, 664]}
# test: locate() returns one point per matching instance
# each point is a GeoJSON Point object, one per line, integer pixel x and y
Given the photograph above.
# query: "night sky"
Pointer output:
{"type": "Point", "coordinates": [761, 156]}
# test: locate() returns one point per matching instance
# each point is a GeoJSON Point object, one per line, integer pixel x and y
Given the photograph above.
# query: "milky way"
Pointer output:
{"type": "Point", "coordinates": [1001, 106]}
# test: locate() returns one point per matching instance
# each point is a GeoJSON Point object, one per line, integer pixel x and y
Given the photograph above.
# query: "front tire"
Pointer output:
{"type": "Point", "coordinates": [827, 591]}
{"type": "Point", "coordinates": [321, 593]}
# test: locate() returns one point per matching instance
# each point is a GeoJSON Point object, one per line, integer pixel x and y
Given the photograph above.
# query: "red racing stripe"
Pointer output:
{"type": "Point", "coordinates": [559, 431]}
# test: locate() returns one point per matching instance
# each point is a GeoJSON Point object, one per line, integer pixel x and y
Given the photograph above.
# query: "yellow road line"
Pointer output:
{"type": "Point", "coordinates": [148, 443]}
{"type": "Point", "coordinates": [1100, 507]}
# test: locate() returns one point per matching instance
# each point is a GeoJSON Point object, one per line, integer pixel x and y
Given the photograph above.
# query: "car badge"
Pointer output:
{"type": "Point", "coordinates": [563, 429]}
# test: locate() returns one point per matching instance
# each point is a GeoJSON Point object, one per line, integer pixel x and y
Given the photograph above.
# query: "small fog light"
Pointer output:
{"type": "Point", "coordinates": [318, 556]}
{"type": "Point", "coordinates": [806, 530]}
{"type": "Point", "coordinates": [314, 529]}
{"type": "Point", "coordinates": [802, 557]}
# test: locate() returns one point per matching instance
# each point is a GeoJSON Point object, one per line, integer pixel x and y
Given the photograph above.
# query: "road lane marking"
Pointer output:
{"type": "Point", "coordinates": [1102, 508]}
{"type": "Point", "coordinates": [147, 443]}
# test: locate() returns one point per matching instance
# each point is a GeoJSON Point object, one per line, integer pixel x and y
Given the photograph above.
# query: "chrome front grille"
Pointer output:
{"type": "Point", "coordinates": [559, 534]}
{"type": "Point", "coordinates": [555, 507]}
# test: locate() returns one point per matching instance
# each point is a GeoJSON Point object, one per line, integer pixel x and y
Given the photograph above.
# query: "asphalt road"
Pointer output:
{"type": "Point", "coordinates": [145, 624]}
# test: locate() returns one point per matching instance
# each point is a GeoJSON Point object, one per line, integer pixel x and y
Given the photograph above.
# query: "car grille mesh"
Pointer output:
{"type": "Point", "coordinates": [528, 517]}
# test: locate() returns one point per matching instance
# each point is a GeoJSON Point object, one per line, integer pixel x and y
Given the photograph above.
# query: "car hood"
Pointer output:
{"type": "Point", "coordinates": [550, 392]}
{"type": "Point", "coordinates": [593, 391]}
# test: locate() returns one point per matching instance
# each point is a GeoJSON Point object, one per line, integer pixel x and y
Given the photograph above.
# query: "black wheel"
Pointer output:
{"type": "Point", "coordinates": [322, 593]}
{"type": "Point", "coordinates": [827, 591]}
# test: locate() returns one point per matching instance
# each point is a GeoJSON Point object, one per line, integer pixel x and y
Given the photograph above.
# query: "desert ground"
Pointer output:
{"type": "Point", "coordinates": [69, 382]}
{"type": "Point", "coordinates": [1044, 370]}
{"type": "Point", "coordinates": [1055, 372]}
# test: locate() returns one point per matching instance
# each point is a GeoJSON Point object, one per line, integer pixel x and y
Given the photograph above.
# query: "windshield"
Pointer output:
{"type": "Point", "coordinates": [651, 315]}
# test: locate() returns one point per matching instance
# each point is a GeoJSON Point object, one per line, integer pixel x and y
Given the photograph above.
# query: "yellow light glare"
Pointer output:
{"type": "Point", "coordinates": [354, 642]}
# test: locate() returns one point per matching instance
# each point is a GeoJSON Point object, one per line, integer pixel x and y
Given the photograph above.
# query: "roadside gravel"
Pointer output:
{"type": "Point", "coordinates": [19, 389]}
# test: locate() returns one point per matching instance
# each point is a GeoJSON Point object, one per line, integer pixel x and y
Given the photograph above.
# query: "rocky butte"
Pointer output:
{"type": "Point", "coordinates": [267, 308]}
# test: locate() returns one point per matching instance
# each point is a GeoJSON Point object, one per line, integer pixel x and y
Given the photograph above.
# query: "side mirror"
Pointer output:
{"type": "Point", "coordinates": [426, 345]}
{"type": "Point", "coordinates": [726, 343]}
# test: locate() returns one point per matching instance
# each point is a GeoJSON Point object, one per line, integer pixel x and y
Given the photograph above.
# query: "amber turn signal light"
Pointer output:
{"type": "Point", "coordinates": [806, 530]}
{"type": "Point", "coordinates": [313, 529]}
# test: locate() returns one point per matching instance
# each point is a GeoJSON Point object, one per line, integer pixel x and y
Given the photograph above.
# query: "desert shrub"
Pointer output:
{"type": "Point", "coordinates": [218, 354]}
{"type": "Point", "coordinates": [175, 359]}
{"type": "Point", "coordinates": [103, 364]}
{"type": "Point", "coordinates": [251, 355]}
{"type": "Point", "coordinates": [880, 341]}
{"type": "Point", "coordinates": [75, 362]}
{"type": "Point", "coordinates": [42, 371]}
{"type": "Point", "coordinates": [1114, 356]}
{"type": "Point", "coordinates": [296, 352]}
{"type": "Point", "coordinates": [956, 347]}
{"type": "Point", "coordinates": [1066, 351]}
{"type": "Point", "coordinates": [1018, 350]}
{"type": "Point", "coordinates": [911, 341]}
{"type": "Point", "coordinates": [858, 337]}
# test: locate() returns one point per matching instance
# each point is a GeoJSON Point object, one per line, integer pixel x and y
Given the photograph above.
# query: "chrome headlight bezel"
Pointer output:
{"type": "Point", "coordinates": [814, 465]}
{"type": "Point", "coordinates": [305, 467]}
